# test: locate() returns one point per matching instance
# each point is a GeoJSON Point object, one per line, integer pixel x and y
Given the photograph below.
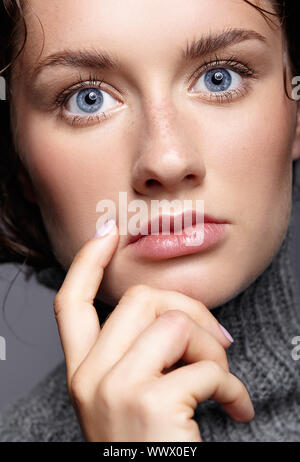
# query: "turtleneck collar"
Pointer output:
{"type": "Point", "coordinates": [263, 320]}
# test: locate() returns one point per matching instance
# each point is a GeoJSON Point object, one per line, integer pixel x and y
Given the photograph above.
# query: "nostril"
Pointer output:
{"type": "Point", "coordinates": [190, 177]}
{"type": "Point", "coordinates": [151, 182]}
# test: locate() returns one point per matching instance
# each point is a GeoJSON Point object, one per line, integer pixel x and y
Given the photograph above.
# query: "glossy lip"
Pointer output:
{"type": "Point", "coordinates": [197, 218]}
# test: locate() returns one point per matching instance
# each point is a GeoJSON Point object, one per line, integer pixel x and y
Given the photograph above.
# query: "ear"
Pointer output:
{"type": "Point", "coordinates": [26, 185]}
{"type": "Point", "coordinates": [296, 142]}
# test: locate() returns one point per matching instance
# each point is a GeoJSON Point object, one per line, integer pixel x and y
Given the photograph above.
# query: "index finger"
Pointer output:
{"type": "Point", "coordinates": [76, 317]}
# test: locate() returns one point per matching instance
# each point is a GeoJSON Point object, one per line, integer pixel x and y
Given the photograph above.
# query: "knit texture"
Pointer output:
{"type": "Point", "coordinates": [263, 320]}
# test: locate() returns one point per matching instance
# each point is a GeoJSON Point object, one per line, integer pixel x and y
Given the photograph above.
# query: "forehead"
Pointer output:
{"type": "Point", "coordinates": [133, 24]}
{"type": "Point", "coordinates": [142, 35]}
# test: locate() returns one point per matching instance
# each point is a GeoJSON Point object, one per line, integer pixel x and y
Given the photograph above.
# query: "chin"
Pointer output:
{"type": "Point", "coordinates": [184, 280]}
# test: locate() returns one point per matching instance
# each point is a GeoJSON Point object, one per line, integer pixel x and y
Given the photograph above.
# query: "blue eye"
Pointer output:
{"type": "Point", "coordinates": [90, 101]}
{"type": "Point", "coordinates": [219, 80]}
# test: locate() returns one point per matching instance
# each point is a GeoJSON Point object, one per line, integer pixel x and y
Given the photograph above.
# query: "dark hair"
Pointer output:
{"type": "Point", "coordinates": [23, 237]}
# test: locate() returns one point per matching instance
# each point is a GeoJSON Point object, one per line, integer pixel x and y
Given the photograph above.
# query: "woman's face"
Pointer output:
{"type": "Point", "coordinates": [169, 133]}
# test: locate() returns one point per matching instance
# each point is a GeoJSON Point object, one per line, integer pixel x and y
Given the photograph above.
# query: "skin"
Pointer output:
{"type": "Point", "coordinates": [158, 131]}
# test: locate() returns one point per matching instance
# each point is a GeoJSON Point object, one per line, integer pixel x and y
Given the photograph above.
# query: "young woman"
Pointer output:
{"type": "Point", "coordinates": [158, 101]}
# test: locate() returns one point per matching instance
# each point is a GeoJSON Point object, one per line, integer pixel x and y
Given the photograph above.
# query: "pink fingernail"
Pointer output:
{"type": "Point", "coordinates": [105, 229]}
{"type": "Point", "coordinates": [226, 333]}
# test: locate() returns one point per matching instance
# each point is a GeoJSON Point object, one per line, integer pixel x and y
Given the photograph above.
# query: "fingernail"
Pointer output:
{"type": "Point", "coordinates": [105, 229]}
{"type": "Point", "coordinates": [226, 333]}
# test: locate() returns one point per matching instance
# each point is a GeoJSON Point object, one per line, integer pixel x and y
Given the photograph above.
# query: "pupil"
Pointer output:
{"type": "Point", "coordinates": [91, 97]}
{"type": "Point", "coordinates": [217, 78]}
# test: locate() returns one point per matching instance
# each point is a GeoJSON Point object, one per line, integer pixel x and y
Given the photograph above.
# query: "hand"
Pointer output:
{"type": "Point", "coordinates": [124, 379]}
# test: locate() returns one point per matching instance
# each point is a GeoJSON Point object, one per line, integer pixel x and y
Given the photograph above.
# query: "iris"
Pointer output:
{"type": "Point", "coordinates": [90, 100]}
{"type": "Point", "coordinates": [217, 80]}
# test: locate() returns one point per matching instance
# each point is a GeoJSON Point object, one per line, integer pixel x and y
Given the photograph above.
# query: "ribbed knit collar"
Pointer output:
{"type": "Point", "coordinates": [263, 320]}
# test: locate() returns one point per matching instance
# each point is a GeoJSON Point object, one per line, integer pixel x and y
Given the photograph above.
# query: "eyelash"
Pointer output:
{"type": "Point", "coordinates": [225, 96]}
{"type": "Point", "coordinates": [62, 97]}
{"type": "Point", "coordinates": [233, 64]}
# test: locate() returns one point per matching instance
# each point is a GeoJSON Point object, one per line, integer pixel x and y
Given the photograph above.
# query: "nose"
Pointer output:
{"type": "Point", "coordinates": [167, 161]}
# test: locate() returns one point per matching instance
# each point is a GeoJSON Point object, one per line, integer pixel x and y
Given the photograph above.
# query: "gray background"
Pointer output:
{"type": "Point", "coordinates": [28, 325]}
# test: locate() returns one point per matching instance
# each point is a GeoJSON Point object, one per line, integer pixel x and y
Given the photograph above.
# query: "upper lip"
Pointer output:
{"type": "Point", "coordinates": [196, 216]}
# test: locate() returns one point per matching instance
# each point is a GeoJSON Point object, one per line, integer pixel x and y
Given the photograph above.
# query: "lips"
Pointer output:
{"type": "Point", "coordinates": [173, 223]}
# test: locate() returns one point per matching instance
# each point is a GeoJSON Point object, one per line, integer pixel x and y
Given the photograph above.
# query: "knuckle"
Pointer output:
{"type": "Point", "coordinates": [138, 291]}
{"type": "Point", "coordinates": [61, 300]}
{"type": "Point", "coordinates": [78, 389]}
{"type": "Point", "coordinates": [178, 319]}
{"type": "Point", "coordinates": [58, 302]}
{"type": "Point", "coordinates": [214, 367]}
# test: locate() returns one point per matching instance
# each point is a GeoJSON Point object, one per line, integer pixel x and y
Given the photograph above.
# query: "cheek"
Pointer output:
{"type": "Point", "coordinates": [251, 157]}
{"type": "Point", "coordinates": [71, 170]}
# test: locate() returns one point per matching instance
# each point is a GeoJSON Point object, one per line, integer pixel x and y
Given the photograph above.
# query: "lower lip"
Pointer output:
{"type": "Point", "coordinates": [159, 247]}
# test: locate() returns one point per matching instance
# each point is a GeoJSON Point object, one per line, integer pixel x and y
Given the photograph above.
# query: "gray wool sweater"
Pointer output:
{"type": "Point", "coordinates": [263, 320]}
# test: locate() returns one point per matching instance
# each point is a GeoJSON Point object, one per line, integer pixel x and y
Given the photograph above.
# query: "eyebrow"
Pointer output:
{"type": "Point", "coordinates": [94, 58]}
{"type": "Point", "coordinates": [81, 58]}
{"type": "Point", "coordinates": [216, 41]}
